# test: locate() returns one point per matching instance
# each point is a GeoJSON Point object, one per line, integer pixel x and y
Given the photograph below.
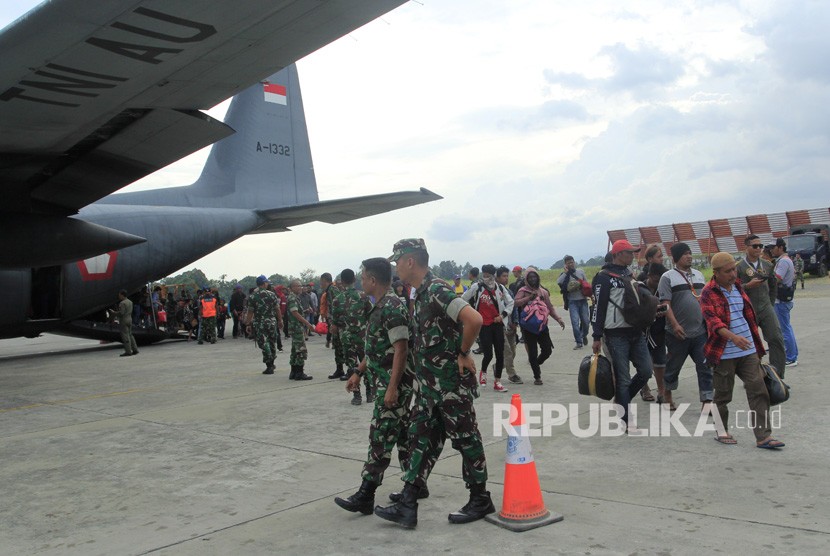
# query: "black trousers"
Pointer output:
{"type": "Point", "coordinates": [533, 342]}
{"type": "Point", "coordinates": [491, 336]}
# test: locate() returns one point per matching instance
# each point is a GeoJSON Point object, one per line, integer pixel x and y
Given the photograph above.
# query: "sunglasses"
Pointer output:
{"type": "Point", "coordinates": [757, 246]}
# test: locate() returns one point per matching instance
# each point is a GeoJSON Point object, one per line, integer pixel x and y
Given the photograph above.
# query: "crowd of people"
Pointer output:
{"type": "Point", "coordinates": [407, 339]}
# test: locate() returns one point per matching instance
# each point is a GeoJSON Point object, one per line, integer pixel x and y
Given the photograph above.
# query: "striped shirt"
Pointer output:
{"type": "Point", "coordinates": [737, 325]}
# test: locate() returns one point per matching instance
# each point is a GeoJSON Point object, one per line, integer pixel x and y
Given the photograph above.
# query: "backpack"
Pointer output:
{"type": "Point", "coordinates": [639, 304]}
{"type": "Point", "coordinates": [534, 316]}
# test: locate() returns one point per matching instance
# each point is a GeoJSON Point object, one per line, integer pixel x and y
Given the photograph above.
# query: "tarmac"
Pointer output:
{"type": "Point", "coordinates": [188, 449]}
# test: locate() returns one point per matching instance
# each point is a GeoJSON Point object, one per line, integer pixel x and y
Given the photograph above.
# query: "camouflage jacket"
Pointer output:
{"type": "Point", "coordinates": [265, 304]}
{"type": "Point", "coordinates": [437, 330]}
{"type": "Point", "coordinates": [387, 323]}
{"type": "Point", "coordinates": [331, 292]}
{"type": "Point", "coordinates": [293, 304]}
{"type": "Point", "coordinates": [349, 309]}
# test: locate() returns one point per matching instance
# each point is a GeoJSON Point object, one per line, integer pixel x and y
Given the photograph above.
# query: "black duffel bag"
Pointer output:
{"type": "Point", "coordinates": [596, 377]}
{"type": "Point", "coordinates": [779, 391]}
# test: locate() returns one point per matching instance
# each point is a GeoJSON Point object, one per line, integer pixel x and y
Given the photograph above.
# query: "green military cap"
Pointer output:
{"type": "Point", "coordinates": [406, 246]}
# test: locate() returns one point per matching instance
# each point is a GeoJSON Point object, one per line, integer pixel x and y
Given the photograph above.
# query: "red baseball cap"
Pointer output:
{"type": "Point", "coordinates": [622, 245]}
{"type": "Point", "coordinates": [517, 267]}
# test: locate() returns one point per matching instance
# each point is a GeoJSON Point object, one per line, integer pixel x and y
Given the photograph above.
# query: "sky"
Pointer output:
{"type": "Point", "coordinates": [545, 123]}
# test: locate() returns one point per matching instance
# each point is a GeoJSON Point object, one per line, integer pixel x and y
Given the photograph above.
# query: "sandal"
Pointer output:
{"type": "Point", "coordinates": [662, 400]}
{"type": "Point", "coordinates": [770, 444]}
{"type": "Point", "coordinates": [646, 394]}
{"type": "Point", "coordinates": [728, 439]}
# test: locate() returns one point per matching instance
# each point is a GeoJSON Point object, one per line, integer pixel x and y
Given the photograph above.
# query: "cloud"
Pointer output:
{"type": "Point", "coordinates": [453, 228]}
{"type": "Point", "coordinates": [641, 71]}
{"type": "Point", "coordinates": [797, 39]}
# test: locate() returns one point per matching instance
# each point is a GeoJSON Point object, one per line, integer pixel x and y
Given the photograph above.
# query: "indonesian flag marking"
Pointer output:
{"type": "Point", "coordinates": [275, 93]}
{"type": "Point", "coordinates": [98, 268]}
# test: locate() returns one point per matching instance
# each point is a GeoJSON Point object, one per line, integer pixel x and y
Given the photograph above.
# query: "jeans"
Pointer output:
{"type": "Point", "coordinates": [622, 349]}
{"type": "Point", "coordinates": [678, 350]}
{"type": "Point", "coordinates": [579, 319]}
{"type": "Point", "coordinates": [782, 309]}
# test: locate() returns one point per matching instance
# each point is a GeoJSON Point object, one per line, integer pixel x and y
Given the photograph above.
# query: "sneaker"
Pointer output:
{"type": "Point", "coordinates": [482, 377]}
{"type": "Point", "coordinates": [578, 346]}
{"type": "Point", "coordinates": [538, 382]}
{"type": "Point", "coordinates": [498, 387]}
{"type": "Point", "coordinates": [477, 351]}
{"type": "Point", "coordinates": [793, 363]}
{"type": "Point", "coordinates": [515, 379]}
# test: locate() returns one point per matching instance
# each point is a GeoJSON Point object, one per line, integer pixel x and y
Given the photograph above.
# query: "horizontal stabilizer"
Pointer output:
{"type": "Point", "coordinates": [34, 240]}
{"type": "Point", "coordinates": [342, 210]}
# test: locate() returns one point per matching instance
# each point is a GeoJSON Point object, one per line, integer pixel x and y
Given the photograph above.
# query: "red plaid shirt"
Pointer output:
{"type": "Point", "coordinates": [715, 308]}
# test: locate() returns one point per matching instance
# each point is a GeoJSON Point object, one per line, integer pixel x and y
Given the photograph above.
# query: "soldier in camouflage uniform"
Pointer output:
{"type": "Point", "coordinates": [445, 329]}
{"type": "Point", "coordinates": [296, 329]}
{"type": "Point", "coordinates": [330, 290]}
{"type": "Point", "coordinates": [266, 306]}
{"type": "Point", "coordinates": [348, 312]}
{"type": "Point", "coordinates": [386, 364]}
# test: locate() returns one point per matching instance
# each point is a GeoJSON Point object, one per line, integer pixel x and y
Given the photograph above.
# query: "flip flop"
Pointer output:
{"type": "Point", "coordinates": [672, 406]}
{"type": "Point", "coordinates": [728, 439]}
{"type": "Point", "coordinates": [771, 444]}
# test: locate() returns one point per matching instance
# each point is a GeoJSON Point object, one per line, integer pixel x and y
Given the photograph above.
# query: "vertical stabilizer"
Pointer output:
{"type": "Point", "coordinates": [265, 164]}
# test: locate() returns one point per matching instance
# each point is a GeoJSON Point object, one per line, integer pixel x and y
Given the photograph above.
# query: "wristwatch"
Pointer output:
{"type": "Point", "coordinates": [464, 353]}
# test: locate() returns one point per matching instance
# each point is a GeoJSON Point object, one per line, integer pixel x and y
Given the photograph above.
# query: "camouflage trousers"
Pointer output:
{"type": "Point", "coordinates": [266, 339]}
{"type": "Point", "coordinates": [352, 348]}
{"type": "Point", "coordinates": [339, 357]}
{"type": "Point", "coordinates": [207, 329]}
{"type": "Point", "coordinates": [389, 427]}
{"type": "Point", "coordinates": [440, 414]}
{"type": "Point", "coordinates": [299, 351]}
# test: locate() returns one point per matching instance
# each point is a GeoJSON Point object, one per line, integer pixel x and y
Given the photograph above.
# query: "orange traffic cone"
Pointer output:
{"type": "Point", "coordinates": [522, 508]}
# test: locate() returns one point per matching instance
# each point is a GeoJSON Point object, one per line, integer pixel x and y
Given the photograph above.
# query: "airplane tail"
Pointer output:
{"type": "Point", "coordinates": [266, 167]}
{"type": "Point", "coordinates": [266, 163]}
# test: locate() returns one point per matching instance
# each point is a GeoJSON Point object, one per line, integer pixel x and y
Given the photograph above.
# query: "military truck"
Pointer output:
{"type": "Point", "coordinates": [811, 241]}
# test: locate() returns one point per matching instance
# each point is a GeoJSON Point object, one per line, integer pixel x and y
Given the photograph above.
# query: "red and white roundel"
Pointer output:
{"type": "Point", "coordinates": [98, 268]}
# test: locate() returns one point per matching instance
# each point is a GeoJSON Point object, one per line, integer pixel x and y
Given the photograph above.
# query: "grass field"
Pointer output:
{"type": "Point", "coordinates": [820, 286]}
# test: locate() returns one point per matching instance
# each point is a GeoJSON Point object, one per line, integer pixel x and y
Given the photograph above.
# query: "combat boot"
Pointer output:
{"type": "Point", "coordinates": [404, 512]}
{"type": "Point", "coordinates": [479, 506]}
{"type": "Point", "coordinates": [361, 501]}
{"type": "Point", "coordinates": [269, 369]}
{"type": "Point", "coordinates": [300, 375]}
{"type": "Point", "coordinates": [356, 399]}
{"type": "Point", "coordinates": [337, 373]}
{"type": "Point", "coordinates": [293, 373]}
{"type": "Point", "coordinates": [422, 493]}
{"type": "Point", "coordinates": [370, 394]}
{"type": "Point", "coordinates": [348, 375]}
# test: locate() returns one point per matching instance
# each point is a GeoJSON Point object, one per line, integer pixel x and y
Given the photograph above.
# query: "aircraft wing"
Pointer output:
{"type": "Point", "coordinates": [341, 210]}
{"type": "Point", "coordinates": [94, 95]}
